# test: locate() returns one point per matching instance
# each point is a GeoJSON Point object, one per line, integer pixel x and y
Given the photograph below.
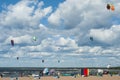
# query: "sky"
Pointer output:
{"type": "Point", "coordinates": [62, 31]}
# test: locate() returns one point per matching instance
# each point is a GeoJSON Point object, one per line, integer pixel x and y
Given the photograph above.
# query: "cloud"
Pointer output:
{"type": "Point", "coordinates": [24, 14]}
{"type": "Point", "coordinates": [83, 16]}
{"type": "Point", "coordinates": [110, 36]}
{"type": "Point", "coordinates": [80, 13]}
{"type": "Point", "coordinates": [66, 35]}
{"type": "Point", "coordinates": [54, 44]}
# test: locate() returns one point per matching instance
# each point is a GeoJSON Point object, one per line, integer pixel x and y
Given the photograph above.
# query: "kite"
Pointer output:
{"type": "Point", "coordinates": [46, 71]}
{"type": "Point", "coordinates": [12, 42]}
{"type": "Point", "coordinates": [108, 6]}
{"type": "Point", "coordinates": [91, 38]}
{"type": "Point", "coordinates": [17, 58]}
{"type": "Point", "coordinates": [108, 66]}
{"type": "Point", "coordinates": [34, 38]}
{"type": "Point", "coordinates": [112, 7]}
{"type": "Point", "coordinates": [42, 61]}
{"type": "Point", "coordinates": [52, 72]}
{"type": "Point", "coordinates": [58, 61]}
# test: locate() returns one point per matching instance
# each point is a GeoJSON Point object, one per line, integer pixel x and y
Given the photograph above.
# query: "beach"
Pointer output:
{"type": "Point", "coordinates": [105, 77]}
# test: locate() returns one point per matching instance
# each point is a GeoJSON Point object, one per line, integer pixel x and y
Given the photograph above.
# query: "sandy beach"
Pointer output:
{"type": "Point", "coordinates": [105, 77]}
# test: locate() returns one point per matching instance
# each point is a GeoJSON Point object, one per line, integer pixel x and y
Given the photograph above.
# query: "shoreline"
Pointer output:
{"type": "Point", "coordinates": [104, 77]}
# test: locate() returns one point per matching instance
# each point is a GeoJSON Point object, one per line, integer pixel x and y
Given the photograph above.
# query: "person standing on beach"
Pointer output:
{"type": "Point", "coordinates": [58, 74]}
{"type": "Point", "coordinates": [16, 78]}
{"type": "Point", "coordinates": [1, 75]}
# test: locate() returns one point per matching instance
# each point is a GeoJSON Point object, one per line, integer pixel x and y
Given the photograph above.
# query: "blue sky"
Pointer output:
{"type": "Point", "coordinates": [62, 29]}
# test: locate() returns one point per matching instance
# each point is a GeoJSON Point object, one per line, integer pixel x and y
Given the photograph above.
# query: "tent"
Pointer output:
{"type": "Point", "coordinates": [85, 72]}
